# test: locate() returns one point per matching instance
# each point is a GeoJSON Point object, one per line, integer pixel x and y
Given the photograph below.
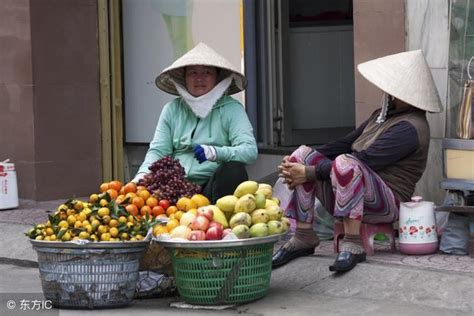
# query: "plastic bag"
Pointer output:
{"type": "Point", "coordinates": [152, 284]}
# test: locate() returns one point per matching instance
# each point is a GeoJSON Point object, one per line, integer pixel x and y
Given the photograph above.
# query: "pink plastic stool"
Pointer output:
{"type": "Point", "coordinates": [367, 233]}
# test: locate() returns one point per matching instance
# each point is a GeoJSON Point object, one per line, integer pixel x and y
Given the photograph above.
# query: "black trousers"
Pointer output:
{"type": "Point", "coordinates": [224, 181]}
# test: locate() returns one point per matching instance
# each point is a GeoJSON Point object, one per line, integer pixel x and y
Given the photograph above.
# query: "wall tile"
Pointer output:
{"type": "Point", "coordinates": [16, 122]}
{"type": "Point", "coordinates": [69, 53]}
{"type": "Point", "coordinates": [67, 122]}
{"type": "Point", "coordinates": [15, 42]}
{"type": "Point", "coordinates": [66, 179]}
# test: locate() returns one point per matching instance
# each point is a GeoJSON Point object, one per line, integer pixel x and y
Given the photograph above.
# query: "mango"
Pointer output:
{"type": "Point", "coordinates": [259, 230]}
{"type": "Point", "coordinates": [227, 203]}
{"type": "Point", "coordinates": [285, 222]}
{"type": "Point", "coordinates": [260, 200]}
{"type": "Point", "coordinates": [245, 204]}
{"type": "Point", "coordinates": [241, 231]}
{"type": "Point", "coordinates": [274, 227]}
{"type": "Point", "coordinates": [269, 202]}
{"type": "Point", "coordinates": [259, 216]}
{"type": "Point", "coordinates": [241, 218]}
{"type": "Point", "coordinates": [265, 189]}
{"type": "Point", "coordinates": [274, 212]}
{"type": "Point", "coordinates": [246, 187]}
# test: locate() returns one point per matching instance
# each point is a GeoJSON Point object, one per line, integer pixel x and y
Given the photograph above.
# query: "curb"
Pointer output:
{"type": "Point", "coordinates": [19, 262]}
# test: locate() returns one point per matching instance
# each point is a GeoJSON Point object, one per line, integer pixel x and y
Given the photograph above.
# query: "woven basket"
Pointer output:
{"type": "Point", "coordinates": [223, 275]}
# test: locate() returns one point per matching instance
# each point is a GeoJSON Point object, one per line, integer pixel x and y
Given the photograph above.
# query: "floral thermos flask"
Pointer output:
{"type": "Point", "coordinates": [417, 233]}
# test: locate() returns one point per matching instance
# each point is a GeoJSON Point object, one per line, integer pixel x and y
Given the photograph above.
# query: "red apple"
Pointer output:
{"type": "Point", "coordinates": [200, 223]}
{"type": "Point", "coordinates": [206, 211]}
{"type": "Point", "coordinates": [197, 235]}
{"type": "Point", "coordinates": [216, 224]}
{"type": "Point", "coordinates": [214, 233]}
{"type": "Point", "coordinates": [226, 232]}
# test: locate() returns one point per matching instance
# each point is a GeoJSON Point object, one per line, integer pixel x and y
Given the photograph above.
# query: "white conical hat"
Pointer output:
{"type": "Point", "coordinates": [405, 76]}
{"type": "Point", "coordinates": [201, 54]}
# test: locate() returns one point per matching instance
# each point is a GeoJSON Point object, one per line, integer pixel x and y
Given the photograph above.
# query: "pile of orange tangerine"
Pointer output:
{"type": "Point", "coordinates": [118, 213]}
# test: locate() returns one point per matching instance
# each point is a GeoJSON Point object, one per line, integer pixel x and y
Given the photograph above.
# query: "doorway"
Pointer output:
{"type": "Point", "coordinates": [303, 70]}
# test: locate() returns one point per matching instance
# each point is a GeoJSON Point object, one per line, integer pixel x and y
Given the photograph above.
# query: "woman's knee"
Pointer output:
{"type": "Point", "coordinates": [345, 168]}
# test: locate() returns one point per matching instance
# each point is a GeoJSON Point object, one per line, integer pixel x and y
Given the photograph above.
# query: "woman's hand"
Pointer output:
{"type": "Point", "coordinates": [293, 173]}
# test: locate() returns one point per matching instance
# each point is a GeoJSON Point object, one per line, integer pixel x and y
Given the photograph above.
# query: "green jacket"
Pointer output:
{"type": "Point", "coordinates": [227, 128]}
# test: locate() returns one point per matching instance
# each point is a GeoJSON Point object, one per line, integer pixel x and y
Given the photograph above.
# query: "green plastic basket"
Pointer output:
{"type": "Point", "coordinates": [223, 275]}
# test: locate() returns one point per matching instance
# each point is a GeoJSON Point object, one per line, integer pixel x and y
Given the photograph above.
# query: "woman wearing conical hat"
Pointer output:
{"type": "Point", "coordinates": [204, 127]}
{"type": "Point", "coordinates": [366, 174]}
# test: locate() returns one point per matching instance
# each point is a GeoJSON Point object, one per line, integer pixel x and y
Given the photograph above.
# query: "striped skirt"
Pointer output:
{"type": "Point", "coordinates": [355, 191]}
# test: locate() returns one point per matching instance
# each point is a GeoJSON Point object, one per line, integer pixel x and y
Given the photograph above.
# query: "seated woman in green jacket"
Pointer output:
{"type": "Point", "coordinates": [206, 129]}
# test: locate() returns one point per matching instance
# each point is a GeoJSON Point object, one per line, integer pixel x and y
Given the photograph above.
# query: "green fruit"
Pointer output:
{"type": "Point", "coordinates": [241, 231]}
{"type": "Point", "coordinates": [259, 230]}
{"type": "Point", "coordinates": [274, 227]}
{"type": "Point", "coordinates": [260, 200]}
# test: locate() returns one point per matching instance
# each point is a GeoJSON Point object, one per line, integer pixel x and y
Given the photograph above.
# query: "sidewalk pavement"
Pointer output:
{"type": "Point", "coordinates": [388, 283]}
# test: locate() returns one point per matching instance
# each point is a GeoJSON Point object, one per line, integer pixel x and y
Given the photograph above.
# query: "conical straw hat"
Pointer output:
{"type": "Point", "coordinates": [405, 76]}
{"type": "Point", "coordinates": [201, 54]}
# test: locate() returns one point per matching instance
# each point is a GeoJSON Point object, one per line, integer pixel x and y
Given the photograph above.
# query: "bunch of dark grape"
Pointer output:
{"type": "Point", "coordinates": [166, 180]}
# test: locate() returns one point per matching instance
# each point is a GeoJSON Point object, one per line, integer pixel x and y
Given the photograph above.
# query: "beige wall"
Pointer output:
{"type": "Point", "coordinates": [49, 96]}
{"type": "Point", "coordinates": [379, 30]}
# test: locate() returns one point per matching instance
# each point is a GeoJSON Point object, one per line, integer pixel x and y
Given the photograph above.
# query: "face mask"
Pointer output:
{"type": "Point", "coordinates": [202, 105]}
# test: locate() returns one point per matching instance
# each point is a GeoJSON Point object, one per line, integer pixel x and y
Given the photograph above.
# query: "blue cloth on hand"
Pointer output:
{"type": "Point", "coordinates": [199, 153]}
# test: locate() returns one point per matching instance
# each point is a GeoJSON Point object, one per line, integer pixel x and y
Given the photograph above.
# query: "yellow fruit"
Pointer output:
{"type": "Point", "coordinates": [114, 232]}
{"type": "Point", "coordinates": [88, 228]}
{"type": "Point", "coordinates": [105, 237]}
{"type": "Point", "coordinates": [200, 200]}
{"type": "Point", "coordinates": [102, 229]}
{"type": "Point", "coordinates": [139, 237]}
{"type": "Point", "coordinates": [178, 215]}
{"type": "Point", "coordinates": [113, 223]}
{"type": "Point", "coordinates": [82, 216]}
{"type": "Point", "coordinates": [71, 219]}
{"type": "Point", "coordinates": [269, 203]}
{"type": "Point", "coordinates": [122, 219]}
{"type": "Point", "coordinates": [63, 224]}
{"type": "Point", "coordinates": [227, 203]}
{"type": "Point", "coordinates": [49, 231]}
{"type": "Point", "coordinates": [83, 235]}
{"type": "Point", "coordinates": [93, 198]}
{"type": "Point", "coordinates": [185, 204]}
{"type": "Point", "coordinates": [78, 224]}
{"type": "Point", "coordinates": [172, 223]}
{"type": "Point", "coordinates": [124, 236]}
{"type": "Point", "coordinates": [103, 202]}
{"type": "Point", "coordinates": [246, 187]}
{"type": "Point", "coordinates": [78, 206]}
{"type": "Point", "coordinates": [159, 229]}
{"type": "Point", "coordinates": [245, 204]}
{"type": "Point", "coordinates": [94, 237]}
{"type": "Point", "coordinates": [103, 211]}
{"type": "Point", "coordinates": [52, 238]}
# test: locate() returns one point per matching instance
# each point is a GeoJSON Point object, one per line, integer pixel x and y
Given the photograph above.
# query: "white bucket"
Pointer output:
{"type": "Point", "coordinates": [8, 186]}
